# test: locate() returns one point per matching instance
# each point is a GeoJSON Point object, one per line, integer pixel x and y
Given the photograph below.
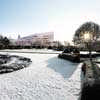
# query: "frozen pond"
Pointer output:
{"type": "Point", "coordinates": [47, 78]}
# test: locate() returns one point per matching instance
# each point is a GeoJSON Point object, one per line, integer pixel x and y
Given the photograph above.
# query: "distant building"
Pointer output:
{"type": "Point", "coordinates": [60, 43]}
{"type": "Point", "coordinates": [38, 39]}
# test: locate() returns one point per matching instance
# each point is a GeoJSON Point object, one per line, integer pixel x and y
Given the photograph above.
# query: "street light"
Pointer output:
{"type": "Point", "coordinates": [88, 40]}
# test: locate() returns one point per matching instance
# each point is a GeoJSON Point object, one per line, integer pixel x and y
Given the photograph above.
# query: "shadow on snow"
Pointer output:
{"type": "Point", "coordinates": [64, 67]}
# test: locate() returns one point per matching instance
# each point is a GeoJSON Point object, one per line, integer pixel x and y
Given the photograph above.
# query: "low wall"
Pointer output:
{"type": "Point", "coordinates": [77, 57]}
{"type": "Point", "coordinates": [91, 82]}
{"type": "Point", "coordinates": [92, 55]}
{"type": "Point", "coordinates": [70, 57]}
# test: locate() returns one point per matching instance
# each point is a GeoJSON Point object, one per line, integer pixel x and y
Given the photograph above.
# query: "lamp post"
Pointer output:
{"type": "Point", "coordinates": [88, 40]}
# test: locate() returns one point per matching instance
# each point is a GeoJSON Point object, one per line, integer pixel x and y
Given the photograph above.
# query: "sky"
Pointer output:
{"type": "Point", "coordinates": [62, 17]}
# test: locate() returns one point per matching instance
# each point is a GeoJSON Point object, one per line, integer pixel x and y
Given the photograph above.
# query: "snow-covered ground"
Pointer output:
{"type": "Point", "coordinates": [47, 78]}
{"type": "Point", "coordinates": [32, 50]}
{"type": "Point", "coordinates": [86, 52]}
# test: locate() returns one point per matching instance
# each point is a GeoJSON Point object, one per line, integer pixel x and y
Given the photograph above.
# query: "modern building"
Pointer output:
{"type": "Point", "coordinates": [37, 39]}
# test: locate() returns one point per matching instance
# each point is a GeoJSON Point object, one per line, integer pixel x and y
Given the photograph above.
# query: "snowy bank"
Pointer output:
{"type": "Point", "coordinates": [91, 82]}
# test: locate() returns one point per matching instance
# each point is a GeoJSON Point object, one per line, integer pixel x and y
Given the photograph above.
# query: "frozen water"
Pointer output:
{"type": "Point", "coordinates": [47, 78]}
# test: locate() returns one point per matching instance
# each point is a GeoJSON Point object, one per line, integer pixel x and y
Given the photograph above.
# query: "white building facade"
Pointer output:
{"type": "Point", "coordinates": [37, 39]}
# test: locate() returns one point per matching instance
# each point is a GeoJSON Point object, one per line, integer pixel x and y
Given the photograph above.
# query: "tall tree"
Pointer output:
{"type": "Point", "coordinates": [91, 28]}
{"type": "Point", "coordinates": [87, 34]}
{"type": "Point", "coordinates": [6, 41]}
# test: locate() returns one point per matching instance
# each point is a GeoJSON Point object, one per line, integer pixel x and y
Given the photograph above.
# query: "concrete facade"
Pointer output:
{"type": "Point", "coordinates": [38, 39]}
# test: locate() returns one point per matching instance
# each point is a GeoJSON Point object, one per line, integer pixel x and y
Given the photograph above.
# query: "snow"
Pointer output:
{"type": "Point", "coordinates": [32, 50]}
{"type": "Point", "coordinates": [86, 52]}
{"type": "Point", "coordinates": [47, 78]}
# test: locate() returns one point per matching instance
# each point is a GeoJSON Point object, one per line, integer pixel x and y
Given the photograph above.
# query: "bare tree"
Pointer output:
{"type": "Point", "coordinates": [91, 28]}
{"type": "Point", "coordinates": [87, 34]}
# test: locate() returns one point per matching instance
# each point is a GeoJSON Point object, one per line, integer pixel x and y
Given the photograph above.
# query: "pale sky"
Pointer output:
{"type": "Point", "coordinates": [63, 17]}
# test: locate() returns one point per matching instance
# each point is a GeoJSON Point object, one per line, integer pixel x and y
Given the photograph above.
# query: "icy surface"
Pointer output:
{"type": "Point", "coordinates": [47, 78]}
